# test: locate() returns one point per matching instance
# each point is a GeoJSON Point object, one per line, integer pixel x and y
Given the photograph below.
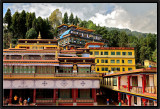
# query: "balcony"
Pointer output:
{"type": "Point", "coordinates": [149, 91]}
{"type": "Point", "coordinates": [84, 100]}
{"type": "Point", "coordinates": [44, 100]}
{"type": "Point", "coordinates": [65, 100]}
{"type": "Point", "coordinates": [19, 75]}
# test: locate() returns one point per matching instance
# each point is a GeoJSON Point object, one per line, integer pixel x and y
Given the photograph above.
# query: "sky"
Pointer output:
{"type": "Point", "coordinates": [141, 17]}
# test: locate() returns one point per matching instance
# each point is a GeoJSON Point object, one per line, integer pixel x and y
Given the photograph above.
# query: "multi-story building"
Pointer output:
{"type": "Point", "coordinates": [133, 88]}
{"type": "Point", "coordinates": [112, 59]}
{"type": "Point", "coordinates": [49, 76]}
{"type": "Point", "coordinates": [148, 63]}
{"type": "Point", "coordinates": [72, 37]}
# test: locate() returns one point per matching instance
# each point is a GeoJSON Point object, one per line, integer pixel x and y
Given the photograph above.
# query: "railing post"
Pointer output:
{"type": "Point", "coordinates": [10, 96]}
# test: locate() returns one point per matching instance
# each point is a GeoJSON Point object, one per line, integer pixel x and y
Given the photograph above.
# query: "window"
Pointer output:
{"type": "Point", "coordinates": [91, 53]}
{"type": "Point", "coordinates": [129, 61]}
{"type": "Point", "coordinates": [129, 53]}
{"type": "Point", "coordinates": [118, 53]}
{"type": "Point", "coordinates": [134, 81]}
{"type": "Point", "coordinates": [118, 69]}
{"type": "Point", "coordinates": [129, 69]}
{"type": "Point", "coordinates": [123, 53]}
{"type": "Point", "coordinates": [109, 81]}
{"type": "Point", "coordinates": [102, 61]}
{"type": "Point", "coordinates": [112, 69]}
{"type": "Point", "coordinates": [122, 61]}
{"type": "Point", "coordinates": [115, 81]}
{"type": "Point", "coordinates": [101, 53]}
{"type": "Point", "coordinates": [105, 53]}
{"type": "Point", "coordinates": [106, 61]}
{"type": "Point", "coordinates": [112, 61]}
{"type": "Point", "coordinates": [97, 60]}
{"type": "Point", "coordinates": [102, 69]}
{"type": "Point", "coordinates": [97, 69]}
{"type": "Point", "coordinates": [118, 61]}
{"type": "Point", "coordinates": [135, 100]}
{"type": "Point", "coordinates": [123, 69]}
{"type": "Point", "coordinates": [112, 53]}
{"type": "Point", "coordinates": [96, 53]}
{"type": "Point", "coordinates": [106, 69]}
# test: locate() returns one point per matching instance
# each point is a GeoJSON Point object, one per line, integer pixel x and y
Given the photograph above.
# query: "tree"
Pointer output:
{"type": "Point", "coordinates": [71, 19]}
{"type": "Point", "coordinates": [31, 34]}
{"type": "Point", "coordinates": [76, 21]}
{"type": "Point", "coordinates": [22, 20]}
{"type": "Point", "coordinates": [8, 18]}
{"type": "Point", "coordinates": [65, 18]}
{"type": "Point", "coordinates": [55, 18]}
{"type": "Point", "coordinates": [16, 25]}
{"type": "Point", "coordinates": [123, 39]}
{"type": "Point", "coordinates": [154, 56]}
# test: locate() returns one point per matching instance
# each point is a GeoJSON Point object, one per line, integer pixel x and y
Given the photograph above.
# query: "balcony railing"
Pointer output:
{"type": "Point", "coordinates": [136, 89]}
{"type": "Point", "coordinates": [50, 75]}
{"type": "Point", "coordinates": [84, 100]}
{"type": "Point", "coordinates": [44, 100]}
{"type": "Point", "coordinates": [65, 100]}
{"type": "Point", "coordinates": [151, 89]}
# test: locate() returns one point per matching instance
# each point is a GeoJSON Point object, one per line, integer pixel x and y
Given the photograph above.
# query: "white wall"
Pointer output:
{"type": "Point", "coordinates": [139, 81]}
{"type": "Point", "coordinates": [123, 80]}
{"type": "Point", "coordinates": [151, 82]}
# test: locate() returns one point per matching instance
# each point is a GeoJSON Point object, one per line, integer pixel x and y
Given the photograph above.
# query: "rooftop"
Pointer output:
{"type": "Point", "coordinates": [112, 48]}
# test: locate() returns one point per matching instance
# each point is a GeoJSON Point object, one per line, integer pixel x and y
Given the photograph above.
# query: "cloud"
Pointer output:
{"type": "Point", "coordinates": [135, 16]}
{"type": "Point", "coordinates": [144, 20]}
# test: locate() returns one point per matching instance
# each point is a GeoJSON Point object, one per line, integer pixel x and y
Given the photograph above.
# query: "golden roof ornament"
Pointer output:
{"type": "Point", "coordinates": [39, 36]}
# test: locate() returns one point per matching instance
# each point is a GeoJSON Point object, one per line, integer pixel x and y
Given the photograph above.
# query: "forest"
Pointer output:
{"type": "Point", "coordinates": [25, 25]}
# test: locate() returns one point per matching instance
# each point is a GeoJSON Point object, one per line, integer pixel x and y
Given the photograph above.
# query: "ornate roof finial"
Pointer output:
{"type": "Point", "coordinates": [39, 36]}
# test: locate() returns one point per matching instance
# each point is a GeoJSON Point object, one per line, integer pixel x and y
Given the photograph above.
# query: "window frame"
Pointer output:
{"type": "Point", "coordinates": [112, 60]}
{"type": "Point", "coordinates": [119, 53]}
{"type": "Point", "coordinates": [123, 54]}
{"type": "Point", "coordinates": [112, 52]}
{"type": "Point", "coordinates": [105, 53]}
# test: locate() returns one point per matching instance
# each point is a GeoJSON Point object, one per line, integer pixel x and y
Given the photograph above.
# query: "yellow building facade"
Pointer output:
{"type": "Point", "coordinates": [113, 59]}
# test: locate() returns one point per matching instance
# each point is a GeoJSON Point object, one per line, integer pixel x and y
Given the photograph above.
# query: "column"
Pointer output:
{"type": "Point", "coordinates": [144, 101]}
{"type": "Point", "coordinates": [4, 57]}
{"type": "Point", "coordinates": [119, 82]}
{"type": "Point", "coordinates": [143, 82]}
{"type": "Point", "coordinates": [128, 77]}
{"type": "Point", "coordinates": [129, 100]}
{"type": "Point", "coordinates": [74, 97]}
{"type": "Point", "coordinates": [119, 97]}
{"type": "Point", "coordinates": [54, 95]}
{"type": "Point", "coordinates": [21, 57]}
{"type": "Point", "coordinates": [10, 96]}
{"type": "Point", "coordinates": [94, 95]}
{"type": "Point", "coordinates": [34, 95]}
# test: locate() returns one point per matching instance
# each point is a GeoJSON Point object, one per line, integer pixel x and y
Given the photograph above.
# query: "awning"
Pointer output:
{"type": "Point", "coordinates": [66, 65]}
{"type": "Point", "coordinates": [83, 65]}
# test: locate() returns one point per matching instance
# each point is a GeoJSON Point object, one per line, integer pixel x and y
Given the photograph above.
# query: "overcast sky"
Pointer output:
{"type": "Point", "coordinates": [140, 17]}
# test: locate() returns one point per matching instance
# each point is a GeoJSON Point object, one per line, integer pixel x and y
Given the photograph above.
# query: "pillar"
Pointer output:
{"type": "Point", "coordinates": [34, 95]}
{"type": "Point", "coordinates": [74, 95]}
{"type": "Point", "coordinates": [119, 97]}
{"type": "Point", "coordinates": [144, 101]}
{"type": "Point", "coordinates": [119, 82]}
{"type": "Point", "coordinates": [54, 95]}
{"type": "Point", "coordinates": [143, 82]}
{"type": "Point", "coordinates": [94, 95]}
{"type": "Point", "coordinates": [22, 57]}
{"type": "Point", "coordinates": [128, 77]}
{"type": "Point", "coordinates": [10, 96]}
{"type": "Point", "coordinates": [4, 57]}
{"type": "Point", "coordinates": [129, 100]}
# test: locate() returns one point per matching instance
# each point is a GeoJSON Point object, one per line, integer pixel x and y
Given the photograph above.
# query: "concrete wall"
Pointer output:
{"type": "Point", "coordinates": [123, 80]}
{"type": "Point", "coordinates": [139, 81]}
